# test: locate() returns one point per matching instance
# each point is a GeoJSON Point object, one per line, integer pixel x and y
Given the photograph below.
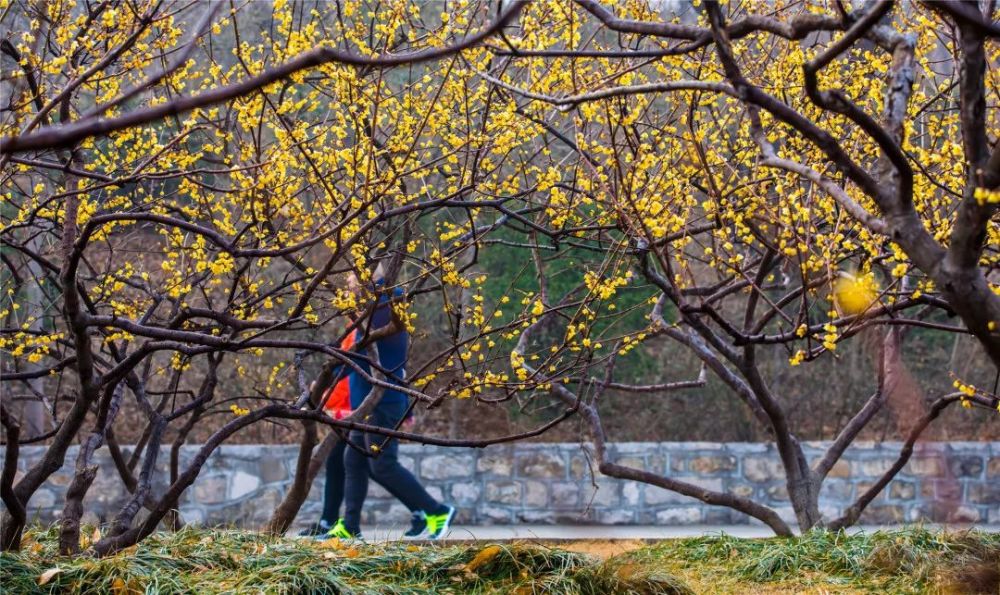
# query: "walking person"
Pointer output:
{"type": "Point", "coordinates": [337, 404]}
{"type": "Point", "coordinates": [370, 454]}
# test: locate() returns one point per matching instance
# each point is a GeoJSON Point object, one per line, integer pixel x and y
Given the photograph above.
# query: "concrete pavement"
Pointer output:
{"type": "Point", "coordinates": [560, 533]}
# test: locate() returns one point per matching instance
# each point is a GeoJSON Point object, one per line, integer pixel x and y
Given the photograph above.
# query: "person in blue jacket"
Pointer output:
{"type": "Point", "coordinates": [376, 455]}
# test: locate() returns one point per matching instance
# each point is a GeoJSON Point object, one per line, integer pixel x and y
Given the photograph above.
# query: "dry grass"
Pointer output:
{"type": "Point", "coordinates": [213, 561]}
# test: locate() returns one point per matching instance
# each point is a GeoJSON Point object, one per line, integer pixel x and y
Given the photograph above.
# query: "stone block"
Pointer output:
{"type": "Point", "coordinates": [985, 493]}
{"type": "Point", "coordinates": [629, 447]}
{"type": "Point", "coordinates": [902, 490]}
{"type": "Point", "coordinates": [568, 517]}
{"type": "Point", "coordinates": [785, 513]}
{"type": "Point", "coordinates": [681, 515]}
{"type": "Point", "coordinates": [633, 462]}
{"type": "Point", "coordinates": [718, 515]}
{"type": "Point", "coordinates": [435, 492]}
{"type": "Point", "coordinates": [495, 463]}
{"type": "Point", "coordinates": [883, 514]}
{"type": "Point", "coordinates": [948, 490]}
{"type": "Point", "coordinates": [272, 469]}
{"type": "Point", "coordinates": [565, 494]}
{"type": "Point", "coordinates": [537, 517]}
{"type": "Point", "coordinates": [993, 467]}
{"type": "Point", "coordinates": [536, 494]}
{"type": "Point", "coordinates": [257, 510]}
{"type": "Point", "coordinates": [409, 462]}
{"type": "Point", "coordinates": [606, 494]}
{"type": "Point", "coordinates": [449, 466]}
{"type": "Point", "coordinates": [543, 465]}
{"type": "Point", "coordinates": [61, 478]}
{"type": "Point", "coordinates": [874, 467]}
{"type": "Point", "coordinates": [656, 463]}
{"type": "Point", "coordinates": [242, 483]}
{"type": "Point", "coordinates": [42, 498]}
{"type": "Point", "coordinates": [933, 511]}
{"type": "Point", "coordinates": [777, 493]}
{"type": "Point", "coordinates": [466, 492]}
{"type": "Point", "coordinates": [864, 486]}
{"type": "Point", "coordinates": [924, 466]}
{"type": "Point", "coordinates": [395, 514]}
{"type": "Point", "coordinates": [836, 489]}
{"type": "Point", "coordinates": [494, 515]}
{"type": "Point", "coordinates": [741, 448]}
{"type": "Point", "coordinates": [465, 516]}
{"type": "Point", "coordinates": [210, 490]}
{"type": "Point", "coordinates": [614, 516]}
{"type": "Point", "coordinates": [631, 493]}
{"type": "Point", "coordinates": [743, 490]}
{"type": "Point", "coordinates": [964, 514]}
{"type": "Point", "coordinates": [503, 492]}
{"type": "Point", "coordinates": [759, 468]}
{"type": "Point", "coordinates": [966, 465]}
{"type": "Point", "coordinates": [192, 515]}
{"type": "Point", "coordinates": [580, 467]}
{"type": "Point", "coordinates": [712, 464]}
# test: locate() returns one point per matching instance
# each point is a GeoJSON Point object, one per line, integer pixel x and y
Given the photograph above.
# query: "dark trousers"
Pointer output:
{"type": "Point", "coordinates": [333, 491]}
{"type": "Point", "coordinates": [384, 468]}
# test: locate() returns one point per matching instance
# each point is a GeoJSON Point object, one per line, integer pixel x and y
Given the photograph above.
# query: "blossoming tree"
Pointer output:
{"type": "Point", "coordinates": [185, 185]}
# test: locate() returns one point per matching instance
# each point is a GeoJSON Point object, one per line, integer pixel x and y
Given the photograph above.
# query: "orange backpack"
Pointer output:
{"type": "Point", "coordinates": [337, 400]}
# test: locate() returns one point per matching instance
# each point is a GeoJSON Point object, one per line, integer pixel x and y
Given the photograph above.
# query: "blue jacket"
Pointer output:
{"type": "Point", "coordinates": [392, 352]}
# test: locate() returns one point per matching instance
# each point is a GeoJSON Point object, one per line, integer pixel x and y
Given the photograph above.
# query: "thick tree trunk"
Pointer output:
{"type": "Point", "coordinates": [15, 517]}
{"type": "Point", "coordinates": [289, 506]}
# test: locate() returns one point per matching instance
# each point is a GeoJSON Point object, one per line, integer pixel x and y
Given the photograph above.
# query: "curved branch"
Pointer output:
{"type": "Point", "coordinates": [52, 137]}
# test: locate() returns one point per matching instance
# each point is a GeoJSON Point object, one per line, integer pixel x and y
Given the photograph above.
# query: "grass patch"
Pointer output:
{"type": "Point", "coordinates": [910, 560]}
{"type": "Point", "coordinates": [202, 561]}
{"type": "Point", "coordinates": [214, 561]}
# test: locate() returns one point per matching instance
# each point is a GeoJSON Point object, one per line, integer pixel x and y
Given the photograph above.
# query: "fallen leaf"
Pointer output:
{"type": "Point", "coordinates": [352, 552]}
{"type": "Point", "coordinates": [47, 575]}
{"type": "Point", "coordinates": [332, 543]}
{"type": "Point", "coordinates": [118, 586]}
{"type": "Point", "coordinates": [483, 557]}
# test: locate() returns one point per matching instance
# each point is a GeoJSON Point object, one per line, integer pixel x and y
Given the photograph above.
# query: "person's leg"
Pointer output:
{"type": "Point", "coordinates": [428, 514]}
{"type": "Point", "coordinates": [388, 472]}
{"type": "Point", "coordinates": [333, 491]}
{"type": "Point", "coordinates": [355, 482]}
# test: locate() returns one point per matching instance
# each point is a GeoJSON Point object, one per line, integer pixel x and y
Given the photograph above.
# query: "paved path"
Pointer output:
{"type": "Point", "coordinates": [558, 533]}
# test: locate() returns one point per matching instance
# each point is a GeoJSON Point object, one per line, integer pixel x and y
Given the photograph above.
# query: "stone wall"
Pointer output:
{"type": "Point", "coordinates": [554, 483]}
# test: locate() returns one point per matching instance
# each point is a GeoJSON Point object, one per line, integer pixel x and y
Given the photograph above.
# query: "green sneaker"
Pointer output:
{"type": "Point", "coordinates": [339, 531]}
{"type": "Point", "coordinates": [437, 524]}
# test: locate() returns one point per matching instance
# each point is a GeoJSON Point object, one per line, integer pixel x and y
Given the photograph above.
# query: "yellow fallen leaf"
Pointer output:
{"type": "Point", "coordinates": [118, 586]}
{"type": "Point", "coordinates": [483, 557]}
{"type": "Point", "coordinates": [96, 535]}
{"type": "Point", "coordinates": [332, 543]}
{"type": "Point", "coordinates": [47, 575]}
{"type": "Point", "coordinates": [352, 552]}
